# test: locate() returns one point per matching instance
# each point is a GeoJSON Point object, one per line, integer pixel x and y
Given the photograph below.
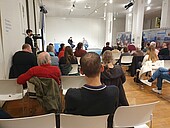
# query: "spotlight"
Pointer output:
{"type": "Point", "coordinates": [129, 5]}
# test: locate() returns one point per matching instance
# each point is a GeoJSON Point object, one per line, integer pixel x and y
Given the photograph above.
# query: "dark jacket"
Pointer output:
{"type": "Point", "coordinates": [21, 62]}
{"type": "Point", "coordinates": [115, 76]}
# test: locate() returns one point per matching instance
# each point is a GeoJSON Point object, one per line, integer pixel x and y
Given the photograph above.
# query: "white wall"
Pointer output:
{"type": "Point", "coordinates": [13, 23]}
{"type": "Point", "coordinates": [59, 30]}
{"type": "Point", "coordinates": [13, 14]}
{"type": "Point", "coordinates": [118, 26]}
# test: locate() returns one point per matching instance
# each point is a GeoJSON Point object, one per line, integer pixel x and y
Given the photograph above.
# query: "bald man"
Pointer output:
{"type": "Point", "coordinates": [44, 69]}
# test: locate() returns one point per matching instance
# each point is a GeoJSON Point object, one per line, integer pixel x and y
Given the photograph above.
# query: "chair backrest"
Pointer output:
{"type": "Point", "coordinates": [157, 64]}
{"type": "Point", "coordinates": [10, 90]}
{"type": "Point", "coordinates": [76, 121]}
{"type": "Point", "coordinates": [116, 56]}
{"type": "Point", "coordinates": [74, 69]}
{"type": "Point", "coordinates": [42, 121]}
{"type": "Point", "coordinates": [72, 82]}
{"type": "Point", "coordinates": [126, 59]}
{"type": "Point", "coordinates": [167, 64]}
{"type": "Point", "coordinates": [135, 115]}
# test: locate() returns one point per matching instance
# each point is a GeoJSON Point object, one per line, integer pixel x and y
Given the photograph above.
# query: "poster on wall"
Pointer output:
{"type": "Point", "coordinates": [167, 36]}
{"type": "Point", "coordinates": [160, 35]}
{"type": "Point", "coordinates": [123, 38]}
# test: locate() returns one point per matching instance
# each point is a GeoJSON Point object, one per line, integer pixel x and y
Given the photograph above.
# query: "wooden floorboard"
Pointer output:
{"type": "Point", "coordinates": [139, 95]}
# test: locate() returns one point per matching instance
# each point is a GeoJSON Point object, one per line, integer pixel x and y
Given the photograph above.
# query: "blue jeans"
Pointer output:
{"type": "Point", "coordinates": [161, 73]}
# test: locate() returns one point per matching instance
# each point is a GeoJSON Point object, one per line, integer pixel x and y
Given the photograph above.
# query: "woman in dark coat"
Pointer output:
{"type": "Point", "coordinates": [113, 75]}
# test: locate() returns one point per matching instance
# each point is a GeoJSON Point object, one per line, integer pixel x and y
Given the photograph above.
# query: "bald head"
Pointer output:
{"type": "Point", "coordinates": [44, 58]}
{"type": "Point", "coordinates": [27, 48]}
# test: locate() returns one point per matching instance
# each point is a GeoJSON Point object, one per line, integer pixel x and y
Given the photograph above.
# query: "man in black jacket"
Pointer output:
{"type": "Point", "coordinates": [93, 98]}
{"type": "Point", "coordinates": [22, 61]}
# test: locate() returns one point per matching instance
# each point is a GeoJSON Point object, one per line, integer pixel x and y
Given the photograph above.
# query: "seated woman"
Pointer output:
{"type": "Point", "coordinates": [66, 61]}
{"type": "Point", "coordinates": [79, 52]}
{"type": "Point", "coordinates": [54, 59]}
{"type": "Point", "coordinates": [113, 75]}
{"type": "Point", "coordinates": [61, 50]}
{"type": "Point", "coordinates": [150, 56]}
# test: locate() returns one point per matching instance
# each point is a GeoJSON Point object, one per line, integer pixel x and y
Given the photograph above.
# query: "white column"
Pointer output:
{"type": "Point", "coordinates": [128, 25]}
{"type": "Point", "coordinates": [165, 16]}
{"type": "Point", "coordinates": [109, 27]}
{"type": "Point", "coordinates": [138, 15]}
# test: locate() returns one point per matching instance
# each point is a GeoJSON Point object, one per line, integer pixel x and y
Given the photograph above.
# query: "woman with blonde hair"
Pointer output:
{"type": "Point", "coordinates": [113, 75]}
{"type": "Point", "coordinates": [151, 55]}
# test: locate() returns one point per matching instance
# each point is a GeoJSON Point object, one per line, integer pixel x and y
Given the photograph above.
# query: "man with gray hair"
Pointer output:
{"type": "Point", "coordinates": [44, 69]}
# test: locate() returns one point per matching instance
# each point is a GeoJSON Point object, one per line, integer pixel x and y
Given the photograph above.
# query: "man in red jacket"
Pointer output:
{"type": "Point", "coordinates": [44, 69]}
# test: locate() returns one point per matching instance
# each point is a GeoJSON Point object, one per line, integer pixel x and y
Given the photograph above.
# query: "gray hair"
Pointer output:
{"type": "Point", "coordinates": [44, 58]}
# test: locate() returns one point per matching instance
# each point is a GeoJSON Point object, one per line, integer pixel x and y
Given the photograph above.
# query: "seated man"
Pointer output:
{"type": "Point", "coordinates": [93, 98]}
{"type": "Point", "coordinates": [44, 69]}
{"type": "Point", "coordinates": [160, 74]}
{"type": "Point", "coordinates": [22, 61]}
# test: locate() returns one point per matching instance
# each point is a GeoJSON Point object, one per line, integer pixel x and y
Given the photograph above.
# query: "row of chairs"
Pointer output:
{"type": "Point", "coordinates": [125, 116]}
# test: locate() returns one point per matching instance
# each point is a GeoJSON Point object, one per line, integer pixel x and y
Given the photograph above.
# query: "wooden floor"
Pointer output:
{"type": "Point", "coordinates": [138, 95]}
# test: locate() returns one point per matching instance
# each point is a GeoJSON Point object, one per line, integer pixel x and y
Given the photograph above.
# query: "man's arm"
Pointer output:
{"type": "Point", "coordinates": [23, 78]}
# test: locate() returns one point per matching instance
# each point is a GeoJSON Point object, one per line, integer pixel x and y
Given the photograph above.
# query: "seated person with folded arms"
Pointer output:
{"type": "Point", "coordinates": [113, 75]}
{"type": "Point", "coordinates": [22, 61]}
{"type": "Point", "coordinates": [93, 98]}
{"type": "Point", "coordinates": [44, 69]}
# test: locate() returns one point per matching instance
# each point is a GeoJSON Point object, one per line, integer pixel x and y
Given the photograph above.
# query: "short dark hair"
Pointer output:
{"type": "Point", "coordinates": [28, 31]}
{"type": "Point", "coordinates": [90, 64]}
{"type": "Point", "coordinates": [107, 43]}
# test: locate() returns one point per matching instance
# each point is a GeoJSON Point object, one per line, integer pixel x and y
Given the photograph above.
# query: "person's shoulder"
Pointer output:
{"type": "Point", "coordinates": [73, 92]}
{"type": "Point", "coordinates": [112, 89]}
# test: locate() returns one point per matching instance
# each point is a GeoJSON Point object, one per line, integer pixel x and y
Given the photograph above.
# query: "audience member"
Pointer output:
{"type": "Point", "coordinates": [85, 43]}
{"type": "Point", "coordinates": [131, 47]}
{"type": "Point", "coordinates": [66, 61]}
{"type": "Point", "coordinates": [160, 74]}
{"type": "Point", "coordinates": [62, 47]}
{"type": "Point", "coordinates": [44, 69]}
{"type": "Point", "coordinates": [70, 41]}
{"type": "Point", "coordinates": [146, 47]}
{"type": "Point", "coordinates": [93, 98]}
{"type": "Point", "coordinates": [115, 50]}
{"type": "Point", "coordinates": [151, 55]}
{"type": "Point", "coordinates": [164, 51]}
{"type": "Point", "coordinates": [154, 45]}
{"type": "Point", "coordinates": [29, 39]}
{"type": "Point", "coordinates": [22, 61]}
{"type": "Point", "coordinates": [125, 53]}
{"type": "Point", "coordinates": [61, 51]}
{"type": "Point", "coordinates": [138, 52]}
{"type": "Point", "coordinates": [79, 52]}
{"type": "Point", "coordinates": [113, 75]}
{"type": "Point", "coordinates": [106, 48]}
{"type": "Point", "coordinates": [54, 58]}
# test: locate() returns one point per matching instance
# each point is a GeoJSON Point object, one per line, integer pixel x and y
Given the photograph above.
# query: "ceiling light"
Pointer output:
{"type": "Point", "coordinates": [104, 18]}
{"type": "Point", "coordinates": [105, 4]}
{"type": "Point", "coordinates": [148, 8]}
{"type": "Point", "coordinates": [71, 10]}
{"type": "Point", "coordinates": [114, 18]}
{"type": "Point", "coordinates": [110, 1]}
{"type": "Point", "coordinates": [149, 1]}
{"type": "Point", "coordinates": [95, 11]}
{"type": "Point", "coordinates": [130, 9]}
